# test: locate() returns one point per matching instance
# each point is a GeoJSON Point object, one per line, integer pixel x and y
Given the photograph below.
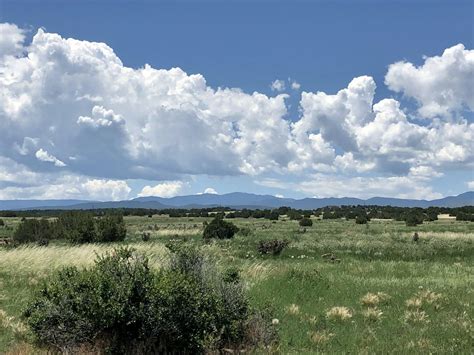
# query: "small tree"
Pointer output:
{"type": "Point", "coordinates": [32, 230]}
{"type": "Point", "coordinates": [413, 219]}
{"type": "Point", "coordinates": [111, 228]}
{"type": "Point", "coordinates": [306, 222]}
{"type": "Point", "coordinates": [220, 229]}
{"type": "Point", "coordinates": [361, 218]}
{"type": "Point", "coordinates": [78, 227]}
{"type": "Point", "coordinates": [2, 223]}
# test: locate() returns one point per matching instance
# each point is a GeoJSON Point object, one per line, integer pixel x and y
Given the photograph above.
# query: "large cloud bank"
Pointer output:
{"type": "Point", "coordinates": [72, 113]}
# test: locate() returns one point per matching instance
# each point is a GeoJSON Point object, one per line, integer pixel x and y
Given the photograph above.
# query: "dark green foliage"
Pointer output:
{"type": "Point", "coordinates": [231, 275]}
{"type": "Point", "coordinates": [306, 222]}
{"type": "Point", "coordinates": [220, 229]}
{"type": "Point", "coordinates": [413, 219]}
{"type": "Point", "coordinates": [461, 216]}
{"type": "Point", "coordinates": [33, 230]}
{"type": "Point", "coordinates": [274, 247]}
{"type": "Point", "coordinates": [146, 236]}
{"type": "Point", "coordinates": [2, 223]}
{"type": "Point", "coordinates": [121, 306]}
{"type": "Point", "coordinates": [111, 228]}
{"type": "Point", "coordinates": [245, 231]}
{"type": "Point", "coordinates": [78, 227]}
{"type": "Point", "coordinates": [294, 215]}
{"type": "Point", "coordinates": [361, 218]}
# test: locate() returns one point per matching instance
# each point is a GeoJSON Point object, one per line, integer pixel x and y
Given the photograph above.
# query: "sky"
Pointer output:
{"type": "Point", "coordinates": [110, 100]}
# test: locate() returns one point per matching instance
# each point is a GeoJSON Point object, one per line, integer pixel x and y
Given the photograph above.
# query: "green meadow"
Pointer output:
{"type": "Point", "coordinates": [337, 287]}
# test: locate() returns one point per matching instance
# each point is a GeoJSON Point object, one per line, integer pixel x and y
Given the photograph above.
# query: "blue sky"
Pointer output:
{"type": "Point", "coordinates": [318, 46]}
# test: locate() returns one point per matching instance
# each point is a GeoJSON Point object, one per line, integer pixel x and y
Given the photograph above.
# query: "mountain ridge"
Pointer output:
{"type": "Point", "coordinates": [235, 200]}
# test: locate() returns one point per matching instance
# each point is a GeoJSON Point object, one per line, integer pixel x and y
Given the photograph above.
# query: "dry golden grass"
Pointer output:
{"type": "Point", "coordinates": [424, 297]}
{"type": "Point", "coordinates": [16, 326]}
{"type": "Point", "coordinates": [32, 258]}
{"type": "Point", "coordinates": [339, 313]}
{"type": "Point", "coordinates": [416, 316]}
{"type": "Point", "coordinates": [321, 337]}
{"type": "Point", "coordinates": [373, 299]}
{"type": "Point", "coordinates": [372, 314]}
{"type": "Point", "coordinates": [293, 309]}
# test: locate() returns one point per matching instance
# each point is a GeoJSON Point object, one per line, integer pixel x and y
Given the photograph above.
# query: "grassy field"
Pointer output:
{"type": "Point", "coordinates": [387, 294]}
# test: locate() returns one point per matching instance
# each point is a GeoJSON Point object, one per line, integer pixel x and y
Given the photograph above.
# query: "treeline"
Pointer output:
{"type": "Point", "coordinates": [75, 226]}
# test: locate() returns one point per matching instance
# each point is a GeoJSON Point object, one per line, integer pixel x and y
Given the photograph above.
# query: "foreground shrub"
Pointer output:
{"type": "Point", "coordinates": [274, 247]}
{"type": "Point", "coordinates": [220, 229]}
{"type": "Point", "coordinates": [2, 223]}
{"type": "Point", "coordinates": [306, 222]}
{"type": "Point", "coordinates": [121, 306]}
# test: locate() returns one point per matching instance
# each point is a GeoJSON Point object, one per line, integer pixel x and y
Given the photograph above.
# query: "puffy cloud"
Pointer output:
{"type": "Point", "coordinates": [74, 105]}
{"type": "Point", "coordinates": [43, 155]}
{"type": "Point", "coordinates": [11, 39]}
{"type": "Point", "coordinates": [295, 85]}
{"type": "Point", "coordinates": [470, 184]}
{"type": "Point", "coordinates": [210, 190]}
{"type": "Point", "coordinates": [442, 85]}
{"type": "Point", "coordinates": [78, 100]}
{"type": "Point", "coordinates": [278, 85]}
{"type": "Point", "coordinates": [165, 189]}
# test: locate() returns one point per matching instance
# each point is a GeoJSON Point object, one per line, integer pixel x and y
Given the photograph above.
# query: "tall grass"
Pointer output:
{"type": "Point", "coordinates": [427, 287]}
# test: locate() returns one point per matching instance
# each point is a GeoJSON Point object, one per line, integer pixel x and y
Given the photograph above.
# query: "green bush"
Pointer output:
{"type": "Point", "coordinates": [245, 231]}
{"type": "Point", "coordinates": [413, 219]}
{"type": "Point", "coordinates": [361, 218]}
{"type": "Point", "coordinates": [111, 228]}
{"type": "Point", "coordinates": [220, 229]}
{"type": "Point", "coordinates": [306, 222]}
{"type": "Point", "coordinates": [77, 227]}
{"type": "Point", "coordinates": [274, 247]}
{"type": "Point", "coordinates": [121, 306]}
{"type": "Point", "coordinates": [2, 223]}
{"type": "Point", "coordinates": [33, 230]}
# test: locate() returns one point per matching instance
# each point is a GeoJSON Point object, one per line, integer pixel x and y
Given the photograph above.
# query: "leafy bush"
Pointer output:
{"type": "Point", "coordinates": [121, 306]}
{"type": "Point", "coordinates": [413, 219]}
{"type": "Point", "coordinates": [2, 223]}
{"type": "Point", "coordinates": [77, 227]}
{"type": "Point", "coordinates": [245, 231]}
{"type": "Point", "coordinates": [361, 218]}
{"type": "Point", "coordinates": [273, 247]}
{"type": "Point", "coordinates": [32, 230]}
{"type": "Point", "coordinates": [220, 229]}
{"type": "Point", "coordinates": [306, 222]}
{"type": "Point", "coordinates": [111, 228]}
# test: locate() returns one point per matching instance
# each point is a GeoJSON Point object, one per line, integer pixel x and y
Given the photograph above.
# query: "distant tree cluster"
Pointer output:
{"type": "Point", "coordinates": [74, 226]}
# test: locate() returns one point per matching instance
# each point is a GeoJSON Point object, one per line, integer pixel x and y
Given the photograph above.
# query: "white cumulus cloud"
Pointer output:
{"type": "Point", "coordinates": [43, 155]}
{"type": "Point", "coordinates": [165, 189]}
{"type": "Point", "coordinates": [442, 85]}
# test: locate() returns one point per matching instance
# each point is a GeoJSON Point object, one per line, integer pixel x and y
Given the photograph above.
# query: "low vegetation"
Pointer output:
{"type": "Point", "coordinates": [338, 287]}
{"type": "Point", "coordinates": [75, 227]}
{"type": "Point", "coordinates": [120, 305]}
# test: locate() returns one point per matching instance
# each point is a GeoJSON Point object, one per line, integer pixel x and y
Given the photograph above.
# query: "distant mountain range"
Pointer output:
{"type": "Point", "coordinates": [235, 200]}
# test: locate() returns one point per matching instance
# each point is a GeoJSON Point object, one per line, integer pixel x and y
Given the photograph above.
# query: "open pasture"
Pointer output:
{"type": "Point", "coordinates": [381, 292]}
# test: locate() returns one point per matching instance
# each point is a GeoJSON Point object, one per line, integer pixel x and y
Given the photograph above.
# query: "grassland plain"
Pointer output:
{"type": "Point", "coordinates": [387, 294]}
